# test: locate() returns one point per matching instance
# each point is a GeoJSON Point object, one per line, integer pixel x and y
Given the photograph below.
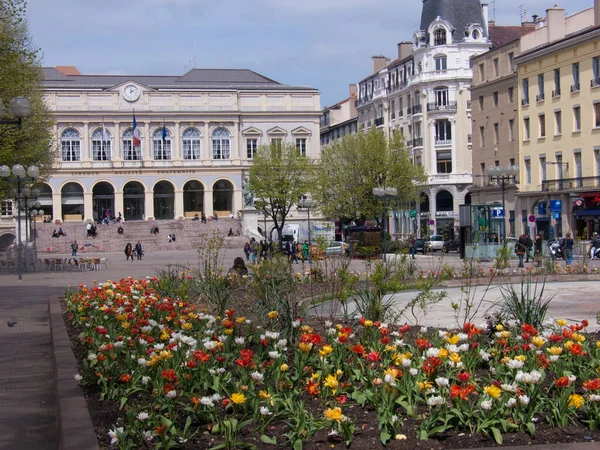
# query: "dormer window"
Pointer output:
{"type": "Point", "coordinates": [439, 37]}
{"type": "Point", "coordinates": [476, 34]}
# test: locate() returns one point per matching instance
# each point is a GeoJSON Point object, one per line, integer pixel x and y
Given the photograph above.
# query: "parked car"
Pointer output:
{"type": "Point", "coordinates": [452, 245]}
{"type": "Point", "coordinates": [435, 243]}
{"type": "Point", "coordinates": [336, 248]}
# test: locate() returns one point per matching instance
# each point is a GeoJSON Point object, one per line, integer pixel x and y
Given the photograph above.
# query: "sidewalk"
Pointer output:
{"type": "Point", "coordinates": [27, 393]}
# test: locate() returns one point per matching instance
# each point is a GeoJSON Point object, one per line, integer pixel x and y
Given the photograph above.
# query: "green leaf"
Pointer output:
{"type": "Point", "coordinates": [359, 397]}
{"type": "Point", "coordinates": [384, 437]}
{"type": "Point", "coordinates": [531, 428]}
{"type": "Point", "coordinates": [297, 445]}
{"type": "Point", "coordinates": [268, 440]}
{"type": "Point", "coordinates": [497, 435]}
{"type": "Point", "coordinates": [123, 401]}
{"type": "Point", "coordinates": [423, 435]}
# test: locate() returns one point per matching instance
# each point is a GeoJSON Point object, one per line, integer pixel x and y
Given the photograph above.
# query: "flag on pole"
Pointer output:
{"type": "Point", "coordinates": [164, 132]}
{"type": "Point", "coordinates": [137, 135]}
{"type": "Point", "coordinates": [105, 136]}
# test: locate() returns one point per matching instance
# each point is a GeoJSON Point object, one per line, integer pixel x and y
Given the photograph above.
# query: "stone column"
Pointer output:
{"type": "Point", "coordinates": [235, 146]}
{"type": "Point", "coordinates": [179, 204]}
{"type": "Point", "coordinates": [432, 153]}
{"type": "Point", "coordinates": [85, 144]}
{"type": "Point", "coordinates": [116, 144]}
{"type": "Point", "coordinates": [206, 150]}
{"type": "Point", "coordinates": [147, 145]}
{"type": "Point", "coordinates": [148, 204]}
{"type": "Point", "coordinates": [208, 202]}
{"type": "Point", "coordinates": [88, 206]}
{"type": "Point", "coordinates": [452, 121]}
{"type": "Point", "coordinates": [56, 206]}
{"type": "Point", "coordinates": [119, 204]}
{"type": "Point", "coordinates": [238, 201]}
{"type": "Point", "coordinates": [176, 143]}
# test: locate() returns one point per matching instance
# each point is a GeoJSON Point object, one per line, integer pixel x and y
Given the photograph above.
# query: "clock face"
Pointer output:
{"type": "Point", "coordinates": [131, 92]}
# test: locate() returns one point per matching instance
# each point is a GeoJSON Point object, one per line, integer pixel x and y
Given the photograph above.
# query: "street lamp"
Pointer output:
{"type": "Point", "coordinates": [503, 176]}
{"type": "Point", "coordinates": [385, 194]}
{"type": "Point", "coordinates": [19, 172]}
{"type": "Point", "coordinates": [307, 203]}
{"type": "Point", "coordinates": [18, 107]}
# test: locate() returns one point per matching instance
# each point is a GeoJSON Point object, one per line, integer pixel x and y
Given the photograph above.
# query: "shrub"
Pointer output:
{"type": "Point", "coordinates": [528, 305]}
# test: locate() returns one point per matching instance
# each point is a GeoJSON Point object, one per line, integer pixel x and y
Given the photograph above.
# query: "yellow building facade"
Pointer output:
{"type": "Point", "coordinates": [559, 136]}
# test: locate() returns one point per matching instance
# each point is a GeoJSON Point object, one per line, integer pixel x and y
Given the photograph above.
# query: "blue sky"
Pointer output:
{"type": "Point", "coordinates": [326, 44]}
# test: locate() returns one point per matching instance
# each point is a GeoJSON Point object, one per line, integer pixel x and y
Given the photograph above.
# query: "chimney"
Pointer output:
{"type": "Point", "coordinates": [484, 11]}
{"type": "Point", "coordinates": [555, 24]}
{"type": "Point", "coordinates": [379, 62]}
{"type": "Point", "coordinates": [353, 90]}
{"type": "Point", "coordinates": [596, 12]}
{"type": "Point", "coordinates": [405, 48]}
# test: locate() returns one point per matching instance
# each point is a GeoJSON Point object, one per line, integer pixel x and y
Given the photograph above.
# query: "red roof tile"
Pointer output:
{"type": "Point", "coordinates": [501, 35]}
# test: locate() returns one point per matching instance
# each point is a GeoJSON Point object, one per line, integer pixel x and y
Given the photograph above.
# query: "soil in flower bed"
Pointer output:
{"type": "Point", "coordinates": [105, 414]}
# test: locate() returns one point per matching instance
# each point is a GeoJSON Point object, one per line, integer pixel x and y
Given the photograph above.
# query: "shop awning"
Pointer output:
{"type": "Point", "coordinates": [588, 213]}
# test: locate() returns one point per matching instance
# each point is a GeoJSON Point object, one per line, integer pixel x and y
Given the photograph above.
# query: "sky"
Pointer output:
{"type": "Point", "coordinates": [325, 44]}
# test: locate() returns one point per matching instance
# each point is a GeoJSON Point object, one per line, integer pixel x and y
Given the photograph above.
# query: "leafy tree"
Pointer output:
{"type": "Point", "coordinates": [352, 166]}
{"type": "Point", "coordinates": [21, 76]}
{"type": "Point", "coordinates": [279, 177]}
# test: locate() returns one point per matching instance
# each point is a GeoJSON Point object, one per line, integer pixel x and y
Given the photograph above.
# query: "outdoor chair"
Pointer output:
{"type": "Point", "coordinates": [104, 262]}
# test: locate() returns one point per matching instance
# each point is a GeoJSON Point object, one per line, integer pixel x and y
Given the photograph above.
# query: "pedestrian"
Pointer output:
{"type": "Point", "coordinates": [170, 239]}
{"type": "Point", "coordinates": [173, 238]}
{"type": "Point", "coordinates": [413, 246]}
{"type": "Point", "coordinates": [521, 248]}
{"type": "Point", "coordinates": [288, 250]}
{"type": "Point", "coordinates": [139, 251]}
{"type": "Point", "coordinates": [305, 252]}
{"type": "Point", "coordinates": [74, 248]}
{"type": "Point", "coordinates": [247, 251]}
{"type": "Point", "coordinates": [253, 256]}
{"type": "Point", "coordinates": [568, 249]}
{"type": "Point", "coordinates": [529, 247]}
{"type": "Point", "coordinates": [239, 268]}
{"type": "Point", "coordinates": [129, 251]}
{"type": "Point", "coordinates": [61, 232]}
{"type": "Point", "coordinates": [295, 252]}
{"type": "Point", "coordinates": [88, 229]}
{"type": "Point", "coordinates": [538, 250]}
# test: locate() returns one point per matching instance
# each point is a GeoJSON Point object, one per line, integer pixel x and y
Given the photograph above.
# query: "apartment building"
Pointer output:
{"type": "Point", "coordinates": [559, 114]}
{"type": "Point", "coordinates": [339, 119]}
{"type": "Point", "coordinates": [494, 119]}
{"type": "Point", "coordinates": [424, 94]}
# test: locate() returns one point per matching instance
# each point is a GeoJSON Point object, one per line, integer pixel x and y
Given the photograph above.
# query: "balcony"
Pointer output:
{"type": "Point", "coordinates": [556, 93]}
{"type": "Point", "coordinates": [417, 109]}
{"type": "Point", "coordinates": [575, 88]}
{"type": "Point", "coordinates": [443, 141]}
{"type": "Point", "coordinates": [361, 101]}
{"type": "Point", "coordinates": [570, 184]}
{"type": "Point", "coordinates": [418, 142]}
{"type": "Point", "coordinates": [379, 122]}
{"type": "Point", "coordinates": [595, 82]}
{"type": "Point", "coordinates": [448, 106]}
{"type": "Point", "coordinates": [409, 143]}
{"type": "Point", "coordinates": [524, 101]}
{"type": "Point", "coordinates": [540, 98]}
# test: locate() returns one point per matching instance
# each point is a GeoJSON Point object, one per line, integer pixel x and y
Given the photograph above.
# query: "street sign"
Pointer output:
{"type": "Point", "coordinates": [413, 213]}
{"type": "Point", "coordinates": [555, 205]}
{"type": "Point", "coordinates": [497, 212]}
{"type": "Point", "coordinates": [556, 215]}
{"type": "Point", "coordinates": [531, 218]}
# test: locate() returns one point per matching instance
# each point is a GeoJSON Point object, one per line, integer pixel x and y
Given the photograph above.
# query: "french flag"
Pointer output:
{"type": "Point", "coordinates": [137, 135]}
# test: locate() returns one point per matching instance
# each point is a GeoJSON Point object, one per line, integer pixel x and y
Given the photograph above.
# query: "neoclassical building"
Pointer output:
{"type": "Point", "coordinates": [424, 94]}
{"type": "Point", "coordinates": [194, 139]}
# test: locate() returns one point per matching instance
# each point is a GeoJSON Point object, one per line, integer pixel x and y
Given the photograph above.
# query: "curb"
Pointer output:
{"type": "Point", "coordinates": [75, 430]}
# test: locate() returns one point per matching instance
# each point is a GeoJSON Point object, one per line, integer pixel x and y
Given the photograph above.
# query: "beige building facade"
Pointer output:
{"type": "Point", "coordinates": [559, 126]}
{"type": "Point", "coordinates": [198, 133]}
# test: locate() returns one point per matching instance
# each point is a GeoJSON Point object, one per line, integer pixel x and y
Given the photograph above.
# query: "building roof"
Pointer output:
{"type": "Point", "coordinates": [501, 35]}
{"type": "Point", "coordinates": [337, 105]}
{"type": "Point", "coordinates": [195, 78]}
{"type": "Point", "coordinates": [460, 13]}
{"type": "Point", "coordinates": [559, 44]}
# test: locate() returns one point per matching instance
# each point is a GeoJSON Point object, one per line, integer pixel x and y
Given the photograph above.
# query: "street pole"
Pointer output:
{"type": "Point", "coordinates": [309, 241]}
{"type": "Point", "coordinates": [385, 204]}
{"type": "Point", "coordinates": [504, 179]}
{"type": "Point", "coordinates": [19, 259]}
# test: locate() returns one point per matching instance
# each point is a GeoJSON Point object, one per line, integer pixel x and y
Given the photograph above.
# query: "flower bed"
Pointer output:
{"type": "Point", "coordinates": [173, 375]}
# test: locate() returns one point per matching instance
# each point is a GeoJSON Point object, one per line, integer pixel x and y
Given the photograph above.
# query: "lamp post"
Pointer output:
{"type": "Point", "coordinates": [503, 176]}
{"type": "Point", "coordinates": [19, 172]}
{"type": "Point", "coordinates": [18, 107]}
{"type": "Point", "coordinates": [385, 194]}
{"type": "Point", "coordinates": [307, 203]}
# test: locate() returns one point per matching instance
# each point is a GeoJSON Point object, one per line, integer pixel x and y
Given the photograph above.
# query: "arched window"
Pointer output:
{"type": "Point", "coordinates": [475, 34]}
{"type": "Point", "coordinates": [191, 144]}
{"type": "Point", "coordinates": [221, 144]}
{"type": "Point", "coordinates": [439, 36]}
{"type": "Point", "coordinates": [161, 144]}
{"type": "Point", "coordinates": [70, 143]}
{"type": "Point", "coordinates": [130, 152]}
{"type": "Point", "coordinates": [101, 146]}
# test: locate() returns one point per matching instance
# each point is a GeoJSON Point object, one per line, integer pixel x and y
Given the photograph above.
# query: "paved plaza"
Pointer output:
{"type": "Point", "coordinates": [26, 358]}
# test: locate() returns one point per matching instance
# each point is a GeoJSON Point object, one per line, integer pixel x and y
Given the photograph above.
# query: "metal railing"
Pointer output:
{"type": "Point", "coordinates": [569, 184]}
{"type": "Point", "coordinates": [379, 121]}
{"type": "Point", "coordinates": [524, 101]}
{"type": "Point", "coordinates": [418, 142]}
{"type": "Point", "coordinates": [595, 82]}
{"type": "Point", "coordinates": [416, 109]}
{"type": "Point", "coordinates": [575, 87]}
{"type": "Point", "coordinates": [448, 106]}
{"type": "Point", "coordinates": [540, 98]}
{"type": "Point", "coordinates": [556, 93]}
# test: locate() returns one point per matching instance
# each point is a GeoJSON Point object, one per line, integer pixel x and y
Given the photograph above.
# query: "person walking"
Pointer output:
{"type": "Point", "coordinates": [305, 252]}
{"type": "Point", "coordinates": [521, 248]}
{"type": "Point", "coordinates": [247, 251]}
{"type": "Point", "coordinates": [74, 248]}
{"type": "Point", "coordinates": [139, 251]}
{"type": "Point", "coordinates": [529, 247]}
{"type": "Point", "coordinates": [129, 251]}
{"type": "Point", "coordinates": [568, 249]}
{"type": "Point", "coordinates": [413, 246]}
{"type": "Point", "coordinates": [295, 252]}
{"type": "Point", "coordinates": [538, 250]}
